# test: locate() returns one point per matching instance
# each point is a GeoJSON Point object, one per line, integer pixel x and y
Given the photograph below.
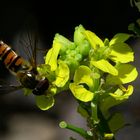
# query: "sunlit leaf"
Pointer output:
{"type": "Point", "coordinates": [44, 102]}
{"type": "Point", "coordinates": [126, 73]}
{"type": "Point", "coordinates": [105, 66]}
{"type": "Point", "coordinates": [93, 39]}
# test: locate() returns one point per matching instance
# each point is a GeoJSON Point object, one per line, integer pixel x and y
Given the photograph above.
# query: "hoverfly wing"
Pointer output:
{"type": "Point", "coordinates": [26, 41]}
{"type": "Point", "coordinates": [6, 89]}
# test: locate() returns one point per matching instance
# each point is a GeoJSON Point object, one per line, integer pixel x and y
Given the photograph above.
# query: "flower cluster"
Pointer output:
{"type": "Point", "coordinates": [94, 66]}
{"type": "Point", "coordinates": [95, 72]}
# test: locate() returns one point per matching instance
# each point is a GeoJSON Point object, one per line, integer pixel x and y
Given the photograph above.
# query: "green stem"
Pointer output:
{"type": "Point", "coordinates": [104, 127]}
{"type": "Point", "coordinates": [99, 124]}
{"type": "Point", "coordinates": [94, 113]}
{"type": "Point", "coordinates": [78, 130]}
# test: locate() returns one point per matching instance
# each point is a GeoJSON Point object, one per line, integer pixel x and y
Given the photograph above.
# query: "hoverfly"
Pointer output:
{"type": "Point", "coordinates": [27, 74]}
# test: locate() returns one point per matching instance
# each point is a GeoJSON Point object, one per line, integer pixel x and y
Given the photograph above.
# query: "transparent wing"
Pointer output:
{"type": "Point", "coordinates": [26, 41]}
{"type": "Point", "coordinates": [6, 89]}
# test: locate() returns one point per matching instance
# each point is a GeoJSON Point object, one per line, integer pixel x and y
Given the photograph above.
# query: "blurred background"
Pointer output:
{"type": "Point", "coordinates": [20, 119]}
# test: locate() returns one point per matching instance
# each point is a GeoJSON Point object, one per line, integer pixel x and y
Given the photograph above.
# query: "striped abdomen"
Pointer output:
{"type": "Point", "coordinates": [11, 60]}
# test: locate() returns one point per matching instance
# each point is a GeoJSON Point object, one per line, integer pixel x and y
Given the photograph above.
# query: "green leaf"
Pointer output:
{"type": "Point", "coordinates": [134, 28]}
{"type": "Point", "coordinates": [137, 4]}
{"type": "Point", "coordinates": [94, 40]}
{"type": "Point", "coordinates": [126, 73]}
{"type": "Point", "coordinates": [44, 102]}
{"type": "Point", "coordinates": [81, 93]}
{"type": "Point", "coordinates": [105, 66]}
{"type": "Point", "coordinates": [51, 57]}
{"type": "Point", "coordinates": [120, 38]}
{"type": "Point", "coordinates": [62, 74]}
{"type": "Point", "coordinates": [116, 122]}
{"type": "Point", "coordinates": [121, 52]}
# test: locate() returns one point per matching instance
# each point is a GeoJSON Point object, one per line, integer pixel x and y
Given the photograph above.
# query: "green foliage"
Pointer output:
{"type": "Point", "coordinates": [116, 122]}
{"type": "Point", "coordinates": [135, 27]}
{"type": "Point", "coordinates": [135, 3]}
{"type": "Point", "coordinates": [95, 71]}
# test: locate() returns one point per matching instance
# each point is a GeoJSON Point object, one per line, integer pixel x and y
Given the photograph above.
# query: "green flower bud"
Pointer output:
{"type": "Point", "coordinates": [65, 43]}
{"type": "Point", "coordinates": [79, 37]}
{"type": "Point", "coordinates": [84, 48]}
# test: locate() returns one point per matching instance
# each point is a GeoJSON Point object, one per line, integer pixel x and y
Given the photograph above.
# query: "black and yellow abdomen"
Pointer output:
{"type": "Point", "coordinates": [10, 59]}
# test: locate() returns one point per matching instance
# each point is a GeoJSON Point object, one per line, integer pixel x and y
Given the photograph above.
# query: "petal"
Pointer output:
{"type": "Point", "coordinates": [44, 102]}
{"type": "Point", "coordinates": [81, 93]}
{"type": "Point", "coordinates": [94, 40]}
{"type": "Point", "coordinates": [120, 38]}
{"type": "Point", "coordinates": [127, 73]}
{"type": "Point", "coordinates": [122, 93]}
{"type": "Point", "coordinates": [51, 57]}
{"type": "Point", "coordinates": [105, 66]}
{"type": "Point", "coordinates": [121, 52]}
{"type": "Point", "coordinates": [62, 74]}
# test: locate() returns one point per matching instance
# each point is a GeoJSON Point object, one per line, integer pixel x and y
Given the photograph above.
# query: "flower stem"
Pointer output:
{"type": "Point", "coordinates": [78, 130]}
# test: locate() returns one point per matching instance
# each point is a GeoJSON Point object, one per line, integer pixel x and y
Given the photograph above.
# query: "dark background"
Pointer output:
{"type": "Point", "coordinates": [20, 119]}
{"type": "Point", "coordinates": [103, 17]}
